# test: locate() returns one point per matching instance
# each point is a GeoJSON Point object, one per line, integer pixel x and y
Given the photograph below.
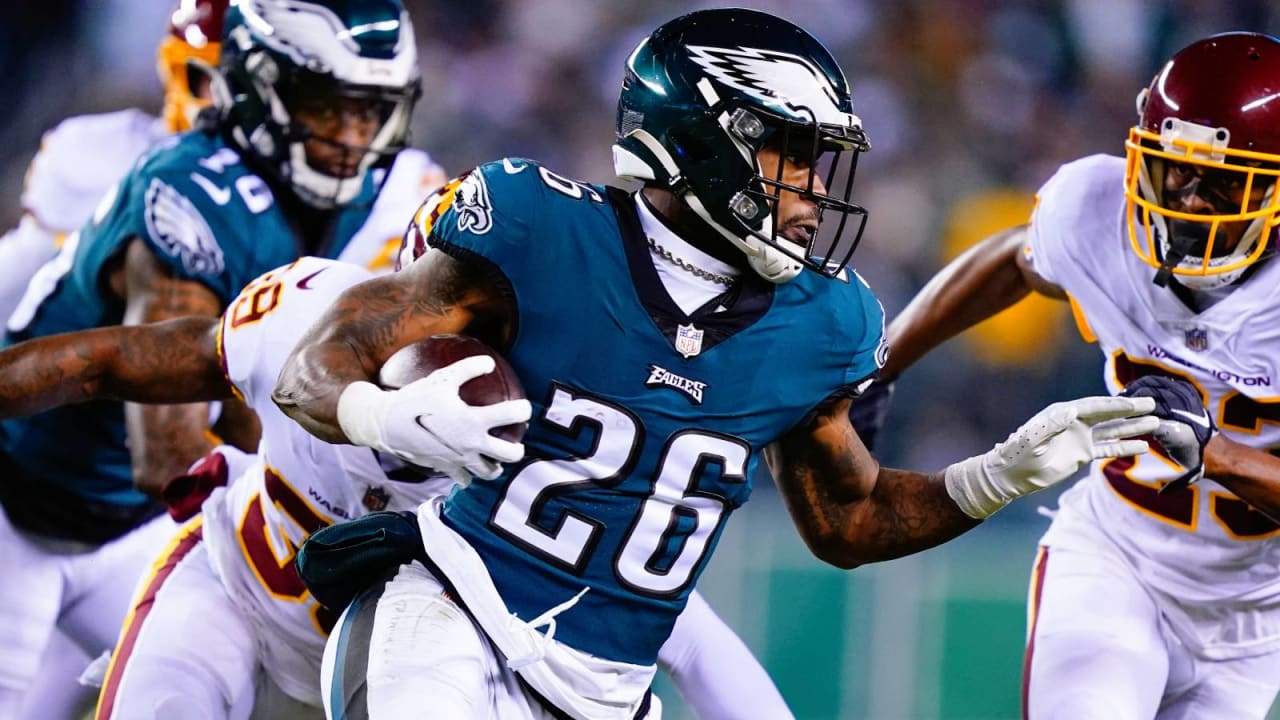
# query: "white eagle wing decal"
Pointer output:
{"type": "Point", "coordinates": [774, 77]}
{"type": "Point", "coordinates": [177, 227]}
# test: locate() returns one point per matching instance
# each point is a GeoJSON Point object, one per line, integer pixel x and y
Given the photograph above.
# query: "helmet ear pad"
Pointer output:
{"type": "Point", "coordinates": [717, 166]}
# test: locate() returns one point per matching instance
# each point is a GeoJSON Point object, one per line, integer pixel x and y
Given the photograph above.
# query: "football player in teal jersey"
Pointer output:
{"type": "Point", "coordinates": [667, 340]}
{"type": "Point", "coordinates": [79, 159]}
{"type": "Point", "coordinates": [312, 101]}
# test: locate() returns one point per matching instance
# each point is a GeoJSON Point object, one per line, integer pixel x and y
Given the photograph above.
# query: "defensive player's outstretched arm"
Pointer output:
{"type": "Point", "coordinates": [850, 510]}
{"type": "Point", "coordinates": [169, 362]}
{"type": "Point", "coordinates": [370, 321]}
{"type": "Point", "coordinates": [982, 281]}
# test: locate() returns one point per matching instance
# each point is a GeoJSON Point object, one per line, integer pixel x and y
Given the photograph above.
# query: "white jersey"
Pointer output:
{"type": "Point", "coordinates": [79, 160]}
{"type": "Point", "coordinates": [300, 483]}
{"type": "Point", "coordinates": [1212, 561]}
{"type": "Point", "coordinates": [413, 177]}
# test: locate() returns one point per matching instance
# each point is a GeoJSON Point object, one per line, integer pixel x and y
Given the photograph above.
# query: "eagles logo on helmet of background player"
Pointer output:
{"type": "Point", "coordinates": [705, 92]}
{"type": "Point", "coordinates": [1203, 162]}
{"type": "Point", "coordinates": [320, 59]}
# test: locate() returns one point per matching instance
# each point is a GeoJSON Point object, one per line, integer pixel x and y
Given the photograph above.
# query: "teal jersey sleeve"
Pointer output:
{"type": "Point", "coordinates": [497, 210]}
{"type": "Point", "coordinates": [201, 213]}
{"type": "Point", "coordinates": [871, 341]}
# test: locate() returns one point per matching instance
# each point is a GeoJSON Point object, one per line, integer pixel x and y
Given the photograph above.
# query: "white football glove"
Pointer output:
{"type": "Point", "coordinates": [1049, 448]}
{"type": "Point", "coordinates": [427, 423]}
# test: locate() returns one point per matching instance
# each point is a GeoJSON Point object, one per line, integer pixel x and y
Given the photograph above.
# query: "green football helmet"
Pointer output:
{"type": "Point", "coordinates": [281, 58]}
{"type": "Point", "coordinates": [707, 91]}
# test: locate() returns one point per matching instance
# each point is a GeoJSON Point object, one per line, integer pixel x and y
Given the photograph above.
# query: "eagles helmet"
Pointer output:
{"type": "Point", "coordinates": [281, 58]}
{"type": "Point", "coordinates": [705, 92]}
{"type": "Point", "coordinates": [190, 47]}
{"type": "Point", "coordinates": [1203, 162]}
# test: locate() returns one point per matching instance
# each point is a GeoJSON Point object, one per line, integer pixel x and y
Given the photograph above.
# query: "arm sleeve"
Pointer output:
{"type": "Point", "coordinates": [714, 671]}
{"type": "Point", "coordinates": [263, 323]}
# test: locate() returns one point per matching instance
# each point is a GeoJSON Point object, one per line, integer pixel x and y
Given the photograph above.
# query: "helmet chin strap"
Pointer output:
{"type": "Point", "coordinates": [767, 261]}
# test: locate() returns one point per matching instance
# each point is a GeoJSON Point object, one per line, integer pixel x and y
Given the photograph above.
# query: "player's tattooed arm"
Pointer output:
{"type": "Point", "coordinates": [370, 321]}
{"type": "Point", "coordinates": [173, 361]}
{"type": "Point", "coordinates": [163, 439]}
{"type": "Point", "coordinates": [850, 510]}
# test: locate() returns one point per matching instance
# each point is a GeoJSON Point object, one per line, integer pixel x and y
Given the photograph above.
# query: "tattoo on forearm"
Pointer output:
{"type": "Point", "coordinates": [912, 512]}
{"type": "Point", "coordinates": [171, 362]}
{"type": "Point", "coordinates": [367, 324]}
{"type": "Point", "coordinates": [835, 488]}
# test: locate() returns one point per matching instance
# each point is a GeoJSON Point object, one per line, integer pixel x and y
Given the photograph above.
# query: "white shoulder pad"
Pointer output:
{"type": "Point", "coordinates": [1074, 222]}
{"type": "Point", "coordinates": [79, 160]}
{"type": "Point", "coordinates": [263, 324]}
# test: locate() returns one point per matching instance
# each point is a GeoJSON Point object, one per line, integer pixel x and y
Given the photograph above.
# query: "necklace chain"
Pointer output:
{"type": "Point", "coordinates": [664, 253]}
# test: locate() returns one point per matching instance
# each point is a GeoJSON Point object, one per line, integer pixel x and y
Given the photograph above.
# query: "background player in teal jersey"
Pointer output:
{"type": "Point", "coordinates": [667, 340]}
{"type": "Point", "coordinates": [312, 102]}
{"type": "Point", "coordinates": [78, 161]}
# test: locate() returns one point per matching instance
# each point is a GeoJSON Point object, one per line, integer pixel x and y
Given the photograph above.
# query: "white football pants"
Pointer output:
{"type": "Point", "coordinates": [82, 590]}
{"type": "Point", "coordinates": [187, 651]}
{"type": "Point", "coordinates": [1099, 649]}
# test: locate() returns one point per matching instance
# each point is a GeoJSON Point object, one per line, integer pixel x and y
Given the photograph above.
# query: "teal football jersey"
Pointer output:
{"type": "Point", "coordinates": [648, 424]}
{"type": "Point", "coordinates": [204, 215]}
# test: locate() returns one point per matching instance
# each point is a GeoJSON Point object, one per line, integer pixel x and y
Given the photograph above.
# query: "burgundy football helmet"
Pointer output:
{"type": "Point", "coordinates": [195, 33]}
{"type": "Point", "coordinates": [1205, 155]}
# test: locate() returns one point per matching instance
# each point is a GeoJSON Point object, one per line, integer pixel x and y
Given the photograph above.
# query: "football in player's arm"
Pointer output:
{"type": "Point", "coordinates": [188, 360]}
{"type": "Point", "coordinates": [602, 518]}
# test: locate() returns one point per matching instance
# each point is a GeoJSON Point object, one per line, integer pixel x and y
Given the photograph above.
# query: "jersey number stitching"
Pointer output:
{"type": "Point", "coordinates": [671, 533]}
{"type": "Point", "coordinates": [278, 575]}
{"type": "Point", "coordinates": [1235, 411]}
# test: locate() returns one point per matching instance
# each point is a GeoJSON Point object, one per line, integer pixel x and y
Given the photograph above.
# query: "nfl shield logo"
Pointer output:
{"type": "Point", "coordinates": [1197, 339]}
{"type": "Point", "coordinates": [375, 498]}
{"type": "Point", "coordinates": [688, 340]}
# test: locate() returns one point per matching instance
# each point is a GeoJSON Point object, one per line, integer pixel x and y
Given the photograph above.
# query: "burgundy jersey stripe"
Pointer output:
{"type": "Point", "coordinates": [188, 538]}
{"type": "Point", "coordinates": [1033, 615]}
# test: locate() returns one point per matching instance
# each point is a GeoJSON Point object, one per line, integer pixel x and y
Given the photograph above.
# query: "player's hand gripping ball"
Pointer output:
{"type": "Point", "coordinates": [417, 361]}
{"type": "Point", "coordinates": [449, 403]}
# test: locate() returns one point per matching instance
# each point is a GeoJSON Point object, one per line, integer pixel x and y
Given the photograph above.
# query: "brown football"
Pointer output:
{"type": "Point", "coordinates": [420, 359]}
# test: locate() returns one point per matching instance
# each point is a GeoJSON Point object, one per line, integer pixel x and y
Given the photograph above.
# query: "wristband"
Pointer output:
{"type": "Point", "coordinates": [972, 489]}
{"type": "Point", "coordinates": [358, 414]}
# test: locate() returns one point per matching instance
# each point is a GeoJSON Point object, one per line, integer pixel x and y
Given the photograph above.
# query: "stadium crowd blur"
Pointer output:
{"type": "Point", "coordinates": [970, 105]}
